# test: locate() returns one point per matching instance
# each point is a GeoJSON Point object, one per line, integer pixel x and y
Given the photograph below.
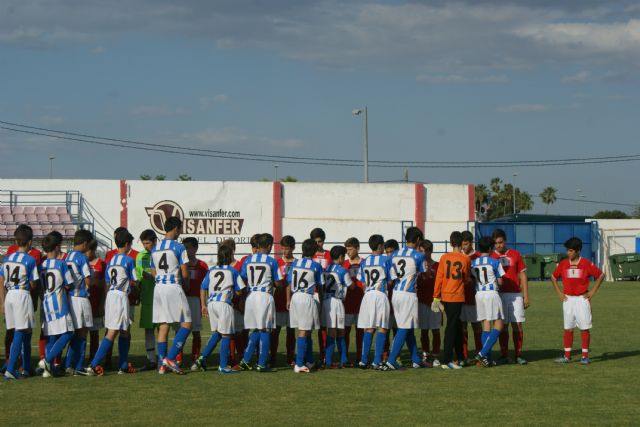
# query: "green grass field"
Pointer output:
{"type": "Point", "coordinates": [606, 392]}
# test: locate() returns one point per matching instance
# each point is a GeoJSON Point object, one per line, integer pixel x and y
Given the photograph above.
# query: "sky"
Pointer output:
{"type": "Point", "coordinates": [442, 81]}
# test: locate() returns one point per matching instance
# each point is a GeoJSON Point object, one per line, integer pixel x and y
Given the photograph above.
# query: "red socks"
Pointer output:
{"type": "Point", "coordinates": [196, 345]}
{"type": "Point", "coordinates": [275, 339]}
{"type": "Point", "coordinates": [359, 337]}
{"type": "Point", "coordinates": [424, 340]}
{"type": "Point", "coordinates": [42, 345]}
{"type": "Point", "coordinates": [465, 342]}
{"type": "Point", "coordinates": [586, 338]}
{"type": "Point", "coordinates": [477, 337]}
{"type": "Point", "coordinates": [568, 343]}
{"type": "Point", "coordinates": [518, 338]}
{"type": "Point", "coordinates": [232, 351]}
{"type": "Point", "coordinates": [322, 342]}
{"type": "Point", "coordinates": [504, 342]}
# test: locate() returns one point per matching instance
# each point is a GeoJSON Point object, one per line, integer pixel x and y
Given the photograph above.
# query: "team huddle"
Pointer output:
{"type": "Point", "coordinates": [384, 297]}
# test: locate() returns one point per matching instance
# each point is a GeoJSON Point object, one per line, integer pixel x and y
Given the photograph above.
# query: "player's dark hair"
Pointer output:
{"type": "Point", "coordinates": [375, 240]}
{"type": "Point", "coordinates": [22, 227]}
{"type": "Point", "coordinates": [413, 235]}
{"type": "Point", "coordinates": [393, 244]}
{"type": "Point", "coordinates": [229, 243]}
{"type": "Point", "coordinates": [123, 238]}
{"type": "Point", "coordinates": [93, 245]}
{"type": "Point", "coordinates": [309, 248]}
{"type": "Point", "coordinates": [56, 235]}
{"type": "Point", "coordinates": [49, 243]}
{"type": "Point", "coordinates": [318, 233]}
{"type": "Point", "coordinates": [190, 241]}
{"type": "Point", "coordinates": [467, 236]}
{"type": "Point", "coordinates": [485, 244]}
{"type": "Point", "coordinates": [254, 241]}
{"type": "Point", "coordinates": [352, 242]}
{"type": "Point", "coordinates": [427, 245]}
{"type": "Point", "coordinates": [573, 243]}
{"type": "Point", "coordinates": [118, 230]}
{"type": "Point", "coordinates": [23, 235]}
{"type": "Point", "coordinates": [497, 233]}
{"type": "Point", "coordinates": [265, 240]}
{"type": "Point", "coordinates": [148, 235]}
{"type": "Point", "coordinates": [456, 239]}
{"type": "Point", "coordinates": [82, 236]}
{"type": "Point", "coordinates": [172, 223]}
{"type": "Point", "coordinates": [288, 242]}
{"type": "Point", "coordinates": [338, 251]}
{"type": "Point", "coordinates": [225, 255]}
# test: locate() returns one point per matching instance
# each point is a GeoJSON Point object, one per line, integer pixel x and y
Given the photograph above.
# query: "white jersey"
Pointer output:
{"type": "Point", "coordinates": [486, 271]}
{"type": "Point", "coordinates": [54, 278]}
{"type": "Point", "coordinates": [167, 256]}
{"type": "Point", "coordinates": [222, 282]}
{"type": "Point", "coordinates": [120, 273]}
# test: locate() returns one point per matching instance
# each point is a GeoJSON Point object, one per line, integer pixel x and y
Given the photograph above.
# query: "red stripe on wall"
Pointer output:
{"type": "Point", "coordinates": [420, 206]}
{"type": "Point", "coordinates": [124, 210]}
{"type": "Point", "coordinates": [277, 215]}
{"type": "Point", "coordinates": [472, 202]}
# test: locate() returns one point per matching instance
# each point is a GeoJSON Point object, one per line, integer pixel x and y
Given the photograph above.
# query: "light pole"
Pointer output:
{"type": "Point", "coordinates": [357, 112]}
{"type": "Point", "coordinates": [513, 186]}
{"type": "Point", "coordinates": [51, 158]}
{"type": "Point", "coordinates": [275, 172]}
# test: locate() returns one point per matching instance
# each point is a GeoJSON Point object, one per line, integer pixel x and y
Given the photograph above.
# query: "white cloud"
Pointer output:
{"type": "Point", "coordinates": [579, 77]}
{"type": "Point", "coordinates": [161, 110]}
{"type": "Point", "coordinates": [207, 102]}
{"type": "Point", "coordinates": [524, 108]}
{"type": "Point", "coordinates": [237, 137]}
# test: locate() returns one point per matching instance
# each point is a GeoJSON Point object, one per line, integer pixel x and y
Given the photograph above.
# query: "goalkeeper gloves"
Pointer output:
{"type": "Point", "coordinates": [436, 306]}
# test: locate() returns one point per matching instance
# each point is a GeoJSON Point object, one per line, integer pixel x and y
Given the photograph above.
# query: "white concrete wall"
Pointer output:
{"type": "Point", "coordinates": [618, 237]}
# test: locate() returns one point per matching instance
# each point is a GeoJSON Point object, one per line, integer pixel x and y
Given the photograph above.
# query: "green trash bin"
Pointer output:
{"type": "Point", "coordinates": [534, 266]}
{"type": "Point", "coordinates": [625, 266]}
{"type": "Point", "coordinates": [549, 263]}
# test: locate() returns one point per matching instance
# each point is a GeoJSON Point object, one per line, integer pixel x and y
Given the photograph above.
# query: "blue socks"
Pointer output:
{"type": "Point", "coordinates": [123, 351]}
{"type": "Point", "coordinates": [413, 346]}
{"type": "Point", "coordinates": [301, 350]}
{"type": "Point", "coordinates": [265, 344]}
{"type": "Point", "coordinates": [56, 345]}
{"type": "Point", "coordinates": [82, 348]}
{"type": "Point", "coordinates": [224, 351]}
{"type": "Point", "coordinates": [490, 342]}
{"type": "Point", "coordinates": [162, 351]}
{"type": "Point", "coordinates": [380, 341]}
{"type": "Point", "coordinates": [16, 347]}
{"type": "Point", "coordinates": [342, 345]}
{"type": "Point", "coordinates": [72, 351]}
{"type": "Point", "coordinates": [26, 352]}
{"type": "Point", "coordinates": [328, 350]}
{"type": "Point", "coordinates": [211, 345]}
{"type": "Point", "coordinates": [178, 342]}
{"type": "Point", "coordinates": [398, 341]}
{"type": "Point", "coordinates": [366, 347]}
{"type": "Point", "coordinates": [254, 337]}
{"type": "Point", "coordinates": [104, 347]}
{"type": "Point", "coordinates": [308, 356]}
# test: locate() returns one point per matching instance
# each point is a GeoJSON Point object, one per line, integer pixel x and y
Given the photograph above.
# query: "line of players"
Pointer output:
{"type": "Point", "coordinates": [396, 289]}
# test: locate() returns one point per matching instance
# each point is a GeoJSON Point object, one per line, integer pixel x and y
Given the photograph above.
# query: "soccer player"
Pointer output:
{"type": "Point", "coordinates": [514, 293]}
{"type": "Point", "coordinates": [353, 300]}
{"type": "Point", "coordinates": [375, 308]}
{"type": "Point", "coordinates": [576, 297]}
{"type": "Point", "coordinates": [19, 274]}
{"type": "Point", "coordinates": [169, 267]}
{"type": "Point", "coordinates": [79, 305]}
{"type": "Point", "coordinates": [288, 245]}
{"type": "Point", "coordinates": [407, 263]}
{"type": "Point", "coordinates": [198, 269]}
{"type": "Point", "coordinates": [487, 275]}
{"type": "Point", "coordinates": [390, 246]}
{"type": "Point", "coordinates": [58, 236]}
{"type": "Point", "coordinates": [469, 314]}
{"type": "Point", "coordinates": [147, 284]}
{"type": "Point", "coordinates": [221, 282]}
{"type": "Point", "coordinates": [120, 275]}
{"type": "Point", "coordinates": [451, 278]}
{"type": "Point", "coordinates": [323, 258]}
{"type": "Point", "coordinates": [57, 324]}
{"type": "Point", "coordinates": [97, 296]}
{"type": "Point", "coordinates": [428, 320]}
{"type": "Point", "coordinates": [260, 271]}
{"type": "Point", "coordinates": [304, 277]}
{"type": "Point", "coordinates": [336, 281]}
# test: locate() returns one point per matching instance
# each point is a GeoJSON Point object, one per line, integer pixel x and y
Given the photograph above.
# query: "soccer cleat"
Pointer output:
{"type": "Point", "coordinates": [435, 362]}
{"type": "Point", "coordinates": [310, 366]}
{"type": "Point", "coordinates": [483, 360]}
{"type": "Point", "coordinates": [173, 366]}
{"type": "Point", "coordinates": [162, 370]}
{"type": "Point", "coordinates": [129, 370]}
{"type": "Point", "coordinates": [562, 359]}
{"type": "Point", "coordinates": [227, 370]}
{"type": "Point", "coordinates": [46, 369]}
{"type": "Point", "coordinates": [40, 368]}
{"type": "Point", "coordinates": [391, 366]}
{"type": "Point", "coordinates": [584, 361]}
{"type": "Point", "coordinates": [504, 361]}
{"type": "Point", "coordinates": [451, 365]}
{"type": "Point", "coordinates": [245, 366]}
{"type": "Point", "coordinates": [420, 365]}
{"type": "Point", "coordinates": [80, 373]}
{"type": "Point", "coordinates": [94, 372]}
{"type": "Point", "coordinates": [236, 368]}
{"type": "Point", "coordinates": [69, 371]}
{"type": "Point", "coordinates": [363, 365]}
{"type": "Point", "coordinates": [375, 366]}
{"type": "Point", "coordinates": [8, 375]}
{"type": "Point", "coordinates": [199, 364]}
{"type": "Point", "coordinates": [149, 366]}
{"type": "Point", "coordinates": [521, 361]}
{"type": "Point", "coordinates": [261, 368]}
{"type": "Point", "coordinates": [300, 369]}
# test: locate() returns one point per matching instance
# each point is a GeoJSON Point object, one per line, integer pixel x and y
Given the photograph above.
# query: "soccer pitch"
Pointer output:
{"type": "Point", "coordinates": [605, 392]}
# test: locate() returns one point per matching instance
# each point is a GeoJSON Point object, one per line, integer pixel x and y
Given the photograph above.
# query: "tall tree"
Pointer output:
{"type": "Point", "coordinates": [184, 177]}
{"type": "Point", "coordinates": [498, 198]}
{"type": "Point", "coordinates": [548, 197]}
{"type": "Point", "coordinates": [145, 177]}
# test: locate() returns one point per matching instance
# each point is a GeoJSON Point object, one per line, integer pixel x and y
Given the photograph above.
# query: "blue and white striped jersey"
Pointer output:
{"type": "Point", "coordinates": [304, 276]}
{"type": "Point", "coordinates": [120, 273]}
{"type": "Point", "coordinates": [259, 272]}
{"type": "Point", "coordinates": [167, 256]}
{"type": "Point", "coordinates": [19, 270]}
{"type": "Point", "coordinates": [375, 272]}
{"type": "Point", "coordinates": [336, 280]}
{"type": "Point", "coordinates": [222, 282]}
{"type": "Point", "coordinates": [78, 265]}
{"type": "Point", "coordinates": [55, 278]}
{"type": "Point", "coordinates": [486, 271]}
{"type": "Point", "coordinates": [407, 263]}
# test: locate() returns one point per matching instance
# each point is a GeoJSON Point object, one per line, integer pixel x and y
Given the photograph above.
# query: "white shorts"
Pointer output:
{"type": "Point", "coordinates": [282, 319]}
{"type": "Point", "coordinates": [577, 313]}
{"type": "Point", "coordinates": [469, 314]}
{"type": "Point", "coordinates": [116, 311]}
{"type": "Point", "coordinates": [98, 323]}
{"type": "Point", "coordinates": [374, 311]}
{"type": "Point", "coordinates": [513, 307]}
{"type": "Point", "coordinates": [489, 306]}
{"type": "Point", "coordinates": [196, 313]}
{"type": "Point", "coordinates": [303, 312]}
{"type": "Point", "coordinates": [238, 320]}
{"type": "Point", "coordinates": [221, 317]}
{"type": "Point", "coordinates": [260, 311]}
{"type": "Point", "coordinates": [405, 308]}
{"type": "Point", "coordinates": [80, 309]}
{"type": "Point", "coordinates": [333, 316]}
{"type": "Point", "coordinates": [170, 305]}
{"type": "Point", "coordinates": [18, 310]}
{"type": "Point", "coordinates": [59, 326]}
{"type": "Point", "coordinates": [427, 318]}
{"type": "Point", "coordinates": [350, 319]}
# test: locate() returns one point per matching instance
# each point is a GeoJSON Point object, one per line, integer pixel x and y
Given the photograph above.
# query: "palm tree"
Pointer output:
{"type": "Point", "coordinates": [482, 194]}
{"type": "Point", "coordinates": [548, 197]}
{"type": "Point", "coordinates": [495, 185]}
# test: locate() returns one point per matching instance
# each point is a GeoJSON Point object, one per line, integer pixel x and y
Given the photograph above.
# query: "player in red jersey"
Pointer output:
{"type": "Point", "coordinates": [514, 293]}
{"type": "Point", "coordinates": [576, 297]}
{"type": "Point", "coordinates": [288, 244]}
{"type": "Point", "coordinates": [354, 295]}
{"type": "Point", "coordinates": [97, 296]}
{"type": "Point", "coordinates": [323, 258]}
{"type": "Point", "coordinates": [198, 269]}
{"type": "Point", "coordinates": [428, 319]}
{"type": "Point", "coordinates": [469, 313]}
